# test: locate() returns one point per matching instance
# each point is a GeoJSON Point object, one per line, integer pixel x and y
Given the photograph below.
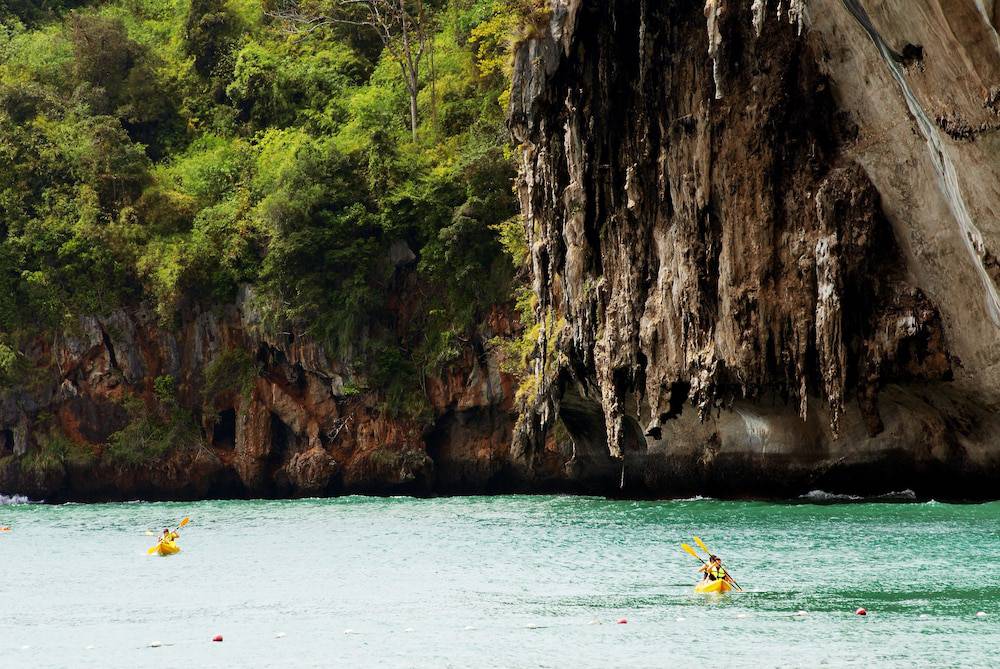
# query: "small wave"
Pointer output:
{"type": "Point", "coordinates": [893, 496]}
{"type": "Point", "coordinates": [824, 496]}
{"type": "Point", "coordinates": [14, 499]}
{"type": "Point", "coordinates": [907, 495]}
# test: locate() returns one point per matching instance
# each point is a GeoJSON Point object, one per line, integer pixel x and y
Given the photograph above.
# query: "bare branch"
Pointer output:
{"type": "Point", "coordinates": [403, 32]}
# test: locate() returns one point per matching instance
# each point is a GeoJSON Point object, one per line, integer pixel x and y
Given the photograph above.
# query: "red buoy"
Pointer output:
{"type": "Point", "coordinates": [623, 621]}
{"type": "Point", "coordinates": [217, 637]}
{"type": "Point", "coordinates": [861, 612]}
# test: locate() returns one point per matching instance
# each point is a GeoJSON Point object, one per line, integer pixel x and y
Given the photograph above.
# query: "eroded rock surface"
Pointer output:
{"type": "Point", "coordinates": [770, 268]}
{"type": "Point", "coordinates": [287, 418]}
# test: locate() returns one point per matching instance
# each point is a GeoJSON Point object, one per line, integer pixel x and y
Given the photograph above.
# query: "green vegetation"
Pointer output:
{"type": "Point", "coordinates": [389, 463]}
{"type": "Point", "coordinates": [167, 151]}
{"type": "Point", "coordinates": [53, 455]}
{"type": "Point", "coordinates": [8, 362]}
{"type": "Point", "coordinates": [233, 371]}
{"type": "Point", "coordinates": [152, 435]}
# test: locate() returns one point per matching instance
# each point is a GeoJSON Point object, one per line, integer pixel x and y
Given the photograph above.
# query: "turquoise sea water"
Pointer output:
{"type": "Point", "coordinates": [499, 582]}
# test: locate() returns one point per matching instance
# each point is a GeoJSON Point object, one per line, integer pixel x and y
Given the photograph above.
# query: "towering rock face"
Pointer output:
{"type": "Point", "coordinates": [763, 241]}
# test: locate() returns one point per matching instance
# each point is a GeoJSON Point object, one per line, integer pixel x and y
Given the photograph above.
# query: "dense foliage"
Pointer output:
{"type": "Point", "coordinates": [168, 151]}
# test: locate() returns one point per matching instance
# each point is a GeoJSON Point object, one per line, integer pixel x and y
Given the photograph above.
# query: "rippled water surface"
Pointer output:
{"type": "Point", "coordinates": [499, 582]}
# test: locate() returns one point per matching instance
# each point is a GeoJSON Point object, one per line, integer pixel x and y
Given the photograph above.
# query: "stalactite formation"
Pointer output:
{"type": "Point", "coordinates": [698, 219]}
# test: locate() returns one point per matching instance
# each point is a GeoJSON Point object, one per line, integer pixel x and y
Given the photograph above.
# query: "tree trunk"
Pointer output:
{"type": "Point", "coordinates": [413, 111]}
{"type": "Point", "coordinates": [410, 69]}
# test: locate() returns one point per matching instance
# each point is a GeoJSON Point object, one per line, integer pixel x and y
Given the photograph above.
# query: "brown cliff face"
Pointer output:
{"type": "Point", "coordinates": [743, 309]}
{"type": "Point", "coordinates": [256, 414]}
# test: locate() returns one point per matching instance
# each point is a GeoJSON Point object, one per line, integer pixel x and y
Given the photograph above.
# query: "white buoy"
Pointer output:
{"type": "Point", "coordinates": [801, 613]}
{"type": "Point", "coordinates": [155, 644]}
{"type": "Point", "coordinates": [469, 627]}
{"type": "Point", "coordinates": [923, 615]}
{"type": "Point", "coordinates": [279, 635]}
{"type": "Point", "coordinates": [980, 614]}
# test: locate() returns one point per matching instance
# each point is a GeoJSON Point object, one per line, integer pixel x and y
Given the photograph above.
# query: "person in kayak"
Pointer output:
{"type": "Point", "coordinates": [168, 535]}
{"type": "Point", "coordinates": [714, 571]}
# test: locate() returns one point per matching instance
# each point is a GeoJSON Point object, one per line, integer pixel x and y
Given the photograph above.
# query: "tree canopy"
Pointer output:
{"type": "Point", "coordinates": [168, 151]}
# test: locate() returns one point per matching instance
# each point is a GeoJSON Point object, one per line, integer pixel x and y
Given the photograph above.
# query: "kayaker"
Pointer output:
{"type": "Point", "coordinates": [168, 535]}
{"type": "Point", "coordinates": [713, 570]}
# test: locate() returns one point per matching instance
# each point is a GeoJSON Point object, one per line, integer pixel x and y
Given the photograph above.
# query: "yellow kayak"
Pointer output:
{"type": "Point", "coordinates": [713, 586]}
{"type": "Point", "coordinates": [167, 548]}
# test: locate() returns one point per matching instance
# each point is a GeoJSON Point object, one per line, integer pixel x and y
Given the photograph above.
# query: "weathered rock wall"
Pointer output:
{"type": "Point", "coordinates": [769, 270]}
{"type": "Point", "coordinates": [290, 420]}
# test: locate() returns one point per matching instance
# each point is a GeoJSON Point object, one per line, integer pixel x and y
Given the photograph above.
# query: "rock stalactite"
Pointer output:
{"type": "Point", "coordinates": [739, 299]}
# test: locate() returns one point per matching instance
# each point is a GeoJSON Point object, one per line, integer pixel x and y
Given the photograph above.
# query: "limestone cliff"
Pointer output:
{"type": "Point", "coordinates": [269, 414]}
{"type": "Point", "coordinates": [763, 241]}
{"type": "Point", "coordinates": [766, 236]}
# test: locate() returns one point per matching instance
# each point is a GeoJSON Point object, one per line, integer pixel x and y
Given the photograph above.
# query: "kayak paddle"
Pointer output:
{"type": "Point", "coordinates": [690, 550]}
{"type": "Point", "coordinates": [701, 543]}
{"type": "Point", "coordinates": [183, 522]}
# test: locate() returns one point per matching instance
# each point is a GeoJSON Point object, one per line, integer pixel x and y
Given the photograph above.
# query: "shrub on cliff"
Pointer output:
{"type": "Point", "coordinates": [50, 459]}
{"type": "Point", "coordinates": [231, 372]}
{"type": "Point", "coordinates": [151, 436]}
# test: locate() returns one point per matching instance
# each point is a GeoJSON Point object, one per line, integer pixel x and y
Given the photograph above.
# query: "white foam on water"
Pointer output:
{"type": "Point", "coordinates": [824, 496]}
{"type": "Point", "coordinates": [14, 499]}
{"type": "Point", "coordinates": [899, 494]}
